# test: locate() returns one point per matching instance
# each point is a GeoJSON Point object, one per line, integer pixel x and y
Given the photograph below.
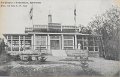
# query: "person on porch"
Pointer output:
{"type": "Point", "coordinates": [79, 46]}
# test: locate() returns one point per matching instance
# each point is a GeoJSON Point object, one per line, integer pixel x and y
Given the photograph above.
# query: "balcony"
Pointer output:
{"type": "Point", "coordinates": [39, 26]}
{"type": "Point", "coordinates": [30, 29]}
{"type": "Point", "coordinates": [52, 27]}
{"type": "Point", "coordinates": [69, 27]}
{"type": "Point", "coordinates": [27, 37]}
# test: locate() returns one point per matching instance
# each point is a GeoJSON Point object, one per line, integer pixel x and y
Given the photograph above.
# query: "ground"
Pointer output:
{"type": "Point", "coordinates": [105, 67]}
{"type": "Point", "coordinates": [59, 66]}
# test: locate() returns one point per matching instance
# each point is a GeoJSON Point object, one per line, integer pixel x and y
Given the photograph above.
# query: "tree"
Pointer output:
{"type": "Point", "coordinates": [85, 30]}
{"type": "Point", "coordinates": [2, 46]}
{"type": "Point", "coordinates": [108, 25]}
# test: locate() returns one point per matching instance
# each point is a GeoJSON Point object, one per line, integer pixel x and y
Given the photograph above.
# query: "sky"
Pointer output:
{"type": "Point", "coordinates": [15, 19]}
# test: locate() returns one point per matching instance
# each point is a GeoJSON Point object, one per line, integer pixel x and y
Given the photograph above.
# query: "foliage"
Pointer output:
{"type": "Point", "coordinates": [2, 46]}
{"type": "Point", "coordinates": [29, 58]}
{"type": "Point", "coordinates": [3, 56]}
{"type": "Point", "coordinates": [43, 58]}
{"type": "Point", "coordinates": [4, 59]}
{"type": "Point", "coordinates": [85, 30]}
{"type": "Point", "coordinates": [108, 25]}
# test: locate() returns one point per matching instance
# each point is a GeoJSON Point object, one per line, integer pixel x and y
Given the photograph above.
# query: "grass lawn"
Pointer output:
{"type": "Point", "coordinates": [55, 66]}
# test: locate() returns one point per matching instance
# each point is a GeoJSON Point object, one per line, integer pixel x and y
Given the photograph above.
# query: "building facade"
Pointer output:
{"type": "Point", "coordinates": [53, 36]}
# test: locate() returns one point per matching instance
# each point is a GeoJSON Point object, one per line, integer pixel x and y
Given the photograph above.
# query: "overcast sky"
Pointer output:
{"type": "Point", "coordinates": [14, 20]}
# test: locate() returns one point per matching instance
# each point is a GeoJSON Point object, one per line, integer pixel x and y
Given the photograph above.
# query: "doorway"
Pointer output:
{"type": "Point", "coordinates": [55, 44]}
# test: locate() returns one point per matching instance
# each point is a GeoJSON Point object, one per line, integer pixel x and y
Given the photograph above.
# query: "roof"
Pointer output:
{"type": "Point", "coordinates": [15, 34]}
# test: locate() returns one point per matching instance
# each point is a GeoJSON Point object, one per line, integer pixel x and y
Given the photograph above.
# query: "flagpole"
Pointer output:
{"type": "Point", "coordinates": [75, 17]}
{"type": "Point", "coordinates": [32, 15]}
{"type": "Point", "coordinates": [31, 21]}
{"type": "Point", "coordinates": [75, 14]}
{"type": "Point", "coordinates": [33, 28]}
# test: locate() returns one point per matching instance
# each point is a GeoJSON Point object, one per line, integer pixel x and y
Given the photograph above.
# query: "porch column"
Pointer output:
{"type": "Point", "coordinates": [94, 44]}
{"type": "Point", "coordinates": [11, 42]}
{"type": "Point", "coordinates": [75, 42]}
{"type": "Point", "coordinates": [23, 43]}
{"type": "Point", "coordinates": [19, 42]}
{"type": "Point", "coordinates": [87, 42]}
{"type": "Point", "coordinates": [62, 42]}
{"type": "Point", "coordinates": [83, 42]}
{"type": "Point", "coordinates": [48, 44]}
{"type": "Point", "coordinates": [61, 28]}
{"type": "Point", "coordinates": [7, 43]}
{"type": "Point", "coordinates": [34, 42]}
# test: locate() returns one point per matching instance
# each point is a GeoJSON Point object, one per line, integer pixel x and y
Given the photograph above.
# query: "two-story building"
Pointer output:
{"type": "Point", "coordinates": [53, 37]}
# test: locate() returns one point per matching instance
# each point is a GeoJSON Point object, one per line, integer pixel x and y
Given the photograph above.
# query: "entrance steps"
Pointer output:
{"type": "Point", "coordinates": [59, 53]}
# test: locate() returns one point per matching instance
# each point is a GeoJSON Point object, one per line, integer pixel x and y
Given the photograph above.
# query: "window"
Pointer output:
{"type": "Point", "coordinates": [91, 48]}
{"type": "Point", "coordinates": [15, 43]}
{"type": "Point", "coordinates": [15, 48]}
{"type": "Point", "coordinates": [27, 42]}
{"type": "Point", "coordinates": [27, 37]}
{"type": "Point", "coordinates": [41, 40]}
{"type": "Point", "coordinates": [96, 48]}
{"type": "Point", "coordinates": [68, 42]}
{"type": "Point", "coordinates": [54, 44]}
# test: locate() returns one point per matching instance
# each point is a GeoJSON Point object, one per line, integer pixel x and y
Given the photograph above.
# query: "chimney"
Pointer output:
{"type": "Point", "coordinates": [49, 18]}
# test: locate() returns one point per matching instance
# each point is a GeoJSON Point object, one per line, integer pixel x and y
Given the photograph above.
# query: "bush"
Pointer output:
{"type": "Point", "coordinates": [111, 53]}
{"type": "Point", "coordinates": [29, 58]}
{"type": "Point", "coordinates": [4, 59]}
{"type": "Point", "coordinates": [43, 59]}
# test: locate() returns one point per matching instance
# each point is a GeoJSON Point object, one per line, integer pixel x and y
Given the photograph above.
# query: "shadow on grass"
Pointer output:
{"type": "Point", "coordinates": [37, 62]}
{"type": "Point", "coordinates": [72, 59]}
{"type": "Point", "coordinates": [52, 70]}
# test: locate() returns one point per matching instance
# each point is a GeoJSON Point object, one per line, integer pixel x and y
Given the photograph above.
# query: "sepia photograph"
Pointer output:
{"type": "Point", "coordinates": [60, 38]}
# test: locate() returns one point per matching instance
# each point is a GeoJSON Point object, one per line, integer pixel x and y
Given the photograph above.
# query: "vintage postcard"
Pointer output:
{"type": "Point", "coordinates": [60, 38]}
